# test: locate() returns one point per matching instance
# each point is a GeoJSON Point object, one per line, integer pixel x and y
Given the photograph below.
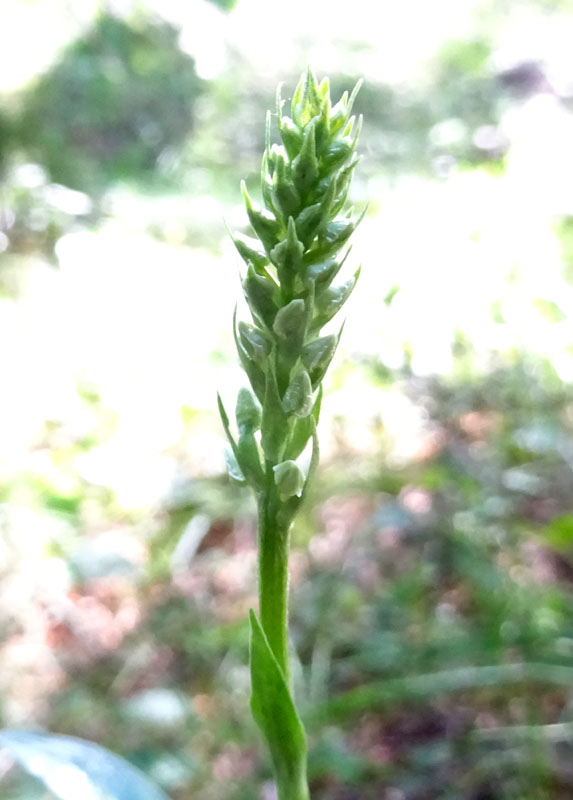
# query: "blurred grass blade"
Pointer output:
{"type": "Point", "coordinates": [74, 769]}
{"type": "Point", "coordinates": [419, 688]}
{"type": "Point", "coordinates": [274, 711]}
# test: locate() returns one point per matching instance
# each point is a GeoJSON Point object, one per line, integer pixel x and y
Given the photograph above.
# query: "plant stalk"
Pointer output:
{"type": "Point", "coordinates": [273, 540]}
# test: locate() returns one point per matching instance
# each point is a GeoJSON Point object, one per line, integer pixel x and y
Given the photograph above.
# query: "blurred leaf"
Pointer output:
{"type": "Point", "coordinates": [559, 532]}
{"type": "Point", "coordinates": [73, 769]}
{"type": "Point", "coordinates": [120, 98]}
{"type": "Point", "coordinates": [549, 309]}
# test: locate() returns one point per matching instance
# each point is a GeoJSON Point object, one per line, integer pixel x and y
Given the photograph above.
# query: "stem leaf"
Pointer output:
{"type": "Point", "coordinates": [275, 713]}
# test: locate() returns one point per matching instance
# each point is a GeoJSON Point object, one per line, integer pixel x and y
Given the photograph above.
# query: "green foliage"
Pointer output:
{"type": "Point", "coordinates": [276, 715]}
{"type": "Point", "coordinates": [119, 99]}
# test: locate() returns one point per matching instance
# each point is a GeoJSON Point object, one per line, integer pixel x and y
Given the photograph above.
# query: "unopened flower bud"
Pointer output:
{"type": "Point", "coordinates": [331, 300]}
{"type": "Point", "coordinates": [308, 223]}
{"type": "Point", "coordinates": [247, 411]}
{"type": "Point", "coordinates": [259, 292]}
{"type": "Point", "coordinates": [317, 355]}
{"type": "Point", "coordinates": [287, 255]}
{"type": "Point", "coordinates": [233, 468]}
{"type": "Point", "coordinates": [255, 344]}
{"type": "Point", "coordinates": [305, 165]}
{"type": "Point", "coordinates": [338, 152]}
{"type": "Point", "coordinates": [291, 136]}
{"type": "Point", "coordinates": [289, 479]}
{"type": "Point", "coordinates": [289, 321]}
{"type": "Point", "coordinates": [284, 193]}
{"type": "Point", "coordinates": [249, 251]}
{"type": "Point", "coordinates": [264, 223]}
{"type": "Point", "coordinates": [298, 397]}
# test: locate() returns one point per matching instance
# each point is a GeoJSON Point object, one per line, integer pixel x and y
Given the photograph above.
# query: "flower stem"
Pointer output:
{"type": "Point", "coordinates": [273, 540]}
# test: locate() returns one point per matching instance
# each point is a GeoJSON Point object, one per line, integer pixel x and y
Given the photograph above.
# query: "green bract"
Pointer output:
{"type": "Point", "coordinates": [291, 266]}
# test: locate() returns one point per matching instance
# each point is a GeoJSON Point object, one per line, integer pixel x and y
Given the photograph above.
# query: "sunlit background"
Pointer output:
{"type": "Point", "coordinates": [439, 539]}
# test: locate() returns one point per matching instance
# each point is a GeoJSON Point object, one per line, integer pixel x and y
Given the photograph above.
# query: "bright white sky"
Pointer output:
{"type": "Point", "coordinates": [282, 38]}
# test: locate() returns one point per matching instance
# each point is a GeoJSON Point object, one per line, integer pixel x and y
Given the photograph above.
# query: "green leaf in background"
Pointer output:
{"type": "Point", "coordinates": [72, 769]}
{"type": "Point", "coordinates": [559, 532]}
{"type": "Point", "coordinates": [274, 711]}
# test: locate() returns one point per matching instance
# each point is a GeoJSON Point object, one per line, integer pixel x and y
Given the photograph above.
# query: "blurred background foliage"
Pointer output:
{"type": "Point", "coordinates": [432, 571]}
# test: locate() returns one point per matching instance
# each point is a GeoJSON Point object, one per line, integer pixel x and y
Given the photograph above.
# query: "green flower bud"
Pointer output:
{"type": "Point", "coordinates": [338, 152]}
{"type": "Point", "coordinates": [306, 99]}
{"type": "Point", "coordinates": [298, 397]}
{"type": "Point", "coordinates": [254, 369]}
{"type": "Point", "coordinates": [343, 109]}
{"type": "Point", "coordinates": [289, 479]}
{"type": "Point", "coordinates": [249, 459]}
{"type": "Point", "coordinates": [317, 355]}
{"type": "Point", "coordinates": [284, 194]}
{"type": "Point", "coordinates": [290, 321]}
{"type": "Point", "coordinates": [260, 292]}
{"type": "Point", "coordinates": [331, 300]}
{"type": "Point", "coordinates": [249, 251]}
{"type": "Point", "coordinates": [287, 256]}
{"type": "Point", "coordinates": [305, 165]}
{"type": "Point", "coordinates": [308, 223]}
{"type": "Point", "coordinates": [248, 411]}
{"type": "Point", "coordinates": [256, 345]}
{"type": "Point", "coordinates": [323, 272]}
{"type": "Point", "coordinates": [264, 223]}
{"type": "Point", "coordinates": [311, 220]}
{"type": "Point", "coordinates": [233, 469]}
{"type": "Point", "coordinates": [291, 136]}
{"type": "Point", "coordinates": [334, 235]}
{"type": "Point", "coordinates": [339, 113]}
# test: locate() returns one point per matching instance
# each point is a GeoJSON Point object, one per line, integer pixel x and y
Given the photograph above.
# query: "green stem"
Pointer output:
{"type": "Point", "coordinates": [273, 576]}
{"type": "Point", "coordinates": [273, 535]}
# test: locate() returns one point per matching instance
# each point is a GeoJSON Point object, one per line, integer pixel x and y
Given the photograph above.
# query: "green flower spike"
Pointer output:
{"type": "Point", "coordinates": [300, 246]}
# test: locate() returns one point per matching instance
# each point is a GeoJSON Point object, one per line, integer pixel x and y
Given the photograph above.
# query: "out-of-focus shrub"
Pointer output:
{"type": "Point", "coordinates": [117, 104]}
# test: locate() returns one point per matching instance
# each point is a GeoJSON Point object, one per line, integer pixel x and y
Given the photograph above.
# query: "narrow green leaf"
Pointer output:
{"type": "Point", "coordinates": [287, 257]}
{"type": "Point", "coordinates": [275, 713]}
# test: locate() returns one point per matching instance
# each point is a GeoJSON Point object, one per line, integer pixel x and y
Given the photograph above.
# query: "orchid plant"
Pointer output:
{"type": "Point", "coordinates": [301, 242]}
